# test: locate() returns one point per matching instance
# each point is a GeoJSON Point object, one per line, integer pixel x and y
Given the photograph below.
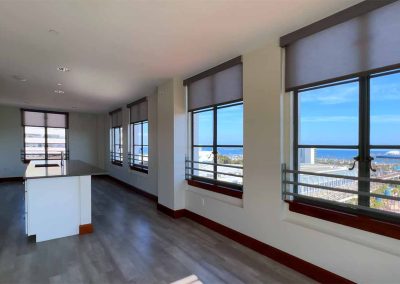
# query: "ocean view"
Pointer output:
{"type": "Point", "coordinates": [334, 154]}
{"type": "Point", "coordinates": [349, 154]}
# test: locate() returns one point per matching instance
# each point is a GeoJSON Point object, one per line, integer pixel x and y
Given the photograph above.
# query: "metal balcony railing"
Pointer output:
{"type": "Point", "coordinates": [138, 161]}
{"type": "Point", "coordinates": [214, 172]}
{"type": "Point", "coordinates": [116, 157]}
{"type": "Point", "coordinates": [43, 155]}
{"type": "Point", "coordinates": [330, 186]}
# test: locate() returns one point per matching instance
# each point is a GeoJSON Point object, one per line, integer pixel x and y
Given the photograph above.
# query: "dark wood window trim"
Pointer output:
{"type": "Point", "coordinates": [113, 155]}
{"type": "Point", "coordinates": [214, 70]}
{"type": "Point", "coordinates": [358, 221]}
{"type": "Point", "coordinates": [379, 222]}
{"type": "Point", "coordinates": [117, 163]}
{"type": "Point", "coordinates": [216, 188]}
{"type": "Point", "coordinates": [45, 112]}
{"type": "Point", "coordinates": [139, 169]}
{"type": "Point", "coordinates": [333, 20]}
{"type": "Point", "coordinates": [214, 184]}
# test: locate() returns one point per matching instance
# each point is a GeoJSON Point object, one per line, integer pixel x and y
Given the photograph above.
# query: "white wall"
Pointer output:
{"type": "Point", "coordinates": [11, 142]}
{"type": "Point", "coordinates": [145, 182]}
{"type": "Point", "coordinates": [357, 255]}
{"type": "Point", "coordinates": [83, 143]}
{"type": "Point", "coordinates": [83, 138]}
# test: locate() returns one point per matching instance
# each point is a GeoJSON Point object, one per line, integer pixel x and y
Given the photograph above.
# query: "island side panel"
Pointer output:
{"type": "Point", "coordinates": [53, 207]}
{"type": "Point", "coordinates": [85, 185]}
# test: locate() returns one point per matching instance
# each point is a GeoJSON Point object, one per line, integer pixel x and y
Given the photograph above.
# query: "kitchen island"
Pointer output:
{"type": "Point", "coordinates": [58, 198]}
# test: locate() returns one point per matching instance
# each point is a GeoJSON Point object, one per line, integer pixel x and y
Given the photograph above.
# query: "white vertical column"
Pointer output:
{"type": "Point", "coordinates": [172, 143]}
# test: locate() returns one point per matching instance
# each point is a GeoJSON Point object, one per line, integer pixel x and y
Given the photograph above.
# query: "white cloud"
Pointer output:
{"type": "Point", "coordinates": [385, 118]}
{"type": "Point", "coordinates": [385, 92]}
{"type": "Point", "coordinates": [341, 118]}
{"type": "Point", "coordinates": [331, 96]}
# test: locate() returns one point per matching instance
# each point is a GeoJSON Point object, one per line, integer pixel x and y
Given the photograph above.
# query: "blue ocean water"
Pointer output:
{"type": "Point", "coordinates": [349, 154]}
{"type": "Point", "coordinates": [226, 151]}
{"type": "Point", "coordinates": [334, 154]}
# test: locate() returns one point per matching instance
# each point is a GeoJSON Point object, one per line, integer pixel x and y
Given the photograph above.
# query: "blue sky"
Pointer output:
{"type": "Point", "coordinates": [230, 126]}
{"type": "Point", "coordinates": [330, 115]}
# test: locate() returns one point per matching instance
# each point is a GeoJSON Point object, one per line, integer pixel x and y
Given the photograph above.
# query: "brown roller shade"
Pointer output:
{"type": "Point", "coordinates": [33, 118]}
{"type": "Point", "coordinates": [57, 120]}
{"type": "Point", "coordinates": [138, 110]}
{"type": "Point", "coordinates": [116, 118]}
{"type": "Point", "coordinates": [219, 85]}
{"type": "Point", "coordinates": [44, 118]}
{"type": "Point", "coordinates": [363, 44]}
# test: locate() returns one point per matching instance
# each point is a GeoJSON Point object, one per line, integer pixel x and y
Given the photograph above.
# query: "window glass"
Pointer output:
{"type": "Point", "coordinates": [145, 133]}
{"type": "Point", "coordinates": [116, 144]}
{"type": "Point", "coordinates": [56, 142]}
{"type": "Point", "coordinates": [384, 110]}
{"type": "Point", "coordinates": [146, 155]}
{"type": "Point", "coordinates": [330, 121]}
{"type": "Point", "coordinates": [137, 133]}
{"type": "Point", "coordinates": [35, 141]}
{"type": "Point", "coordinates": [203, 154]}
{"type": "Point", "coordinates": [137, 155]}
{"type": "Point", "coordinates": [386, 165]}
{"type": "Point", "coordinates": [226, 151]}
{"type": "Point", "coordinates": [232, 157]}
{"type": "Point", "coordinates": [230, 125]}
{"type": "Point", "coordinates": [203, 125]}
{"type": "Point", "coordinates": [329, 115]}
{"type": "Point", "coordinates": [384, 125]}
{"type": "Point", "coordinates": [328, 161]}
{"type": "Point", "coordinates": [139, 148]}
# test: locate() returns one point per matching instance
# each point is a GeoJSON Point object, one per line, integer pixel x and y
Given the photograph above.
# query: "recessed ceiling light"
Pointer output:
{"type": "Point", "coordinates": [58, 91]}
{"type": "Point", "coordinates": [54, 32]}
{"type": "Point", "coordinates": [19, 78]}
{"type": "Point", "coordinates": [59, 84]}
{"type": "Point", "coordinates": [63, 69]}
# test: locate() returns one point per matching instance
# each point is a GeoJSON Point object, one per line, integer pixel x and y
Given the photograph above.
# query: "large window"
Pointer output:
{"type": "Point", "coordinates": [116, 139]}
{"type": "Point", "coordinates": [139, 159]}
{"type": "Point", "coordinates": [349, 128]}
{"type": "Point", "coordinates": [215, 105]}
{"type": "Point", "coordinates": [217, 148]}
{"type": "Point", "coordinates": [346, 166]}
{"type": "Point", "coordinates": [45, 135]}
{"type": "Point", "coordinates": [138, 152]}
{"type": "Point", "coordinates": [116, 145]}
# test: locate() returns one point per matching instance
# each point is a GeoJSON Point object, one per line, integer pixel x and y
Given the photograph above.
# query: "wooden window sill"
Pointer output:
{"type": "Point", "coordinates": [116, 163]}
{"type": "Point", "coordinates": [216, 188]}
{"type": "Point", "coordinates": [358, 221]}
{"type": "Point", "coordinates": [138, 169]}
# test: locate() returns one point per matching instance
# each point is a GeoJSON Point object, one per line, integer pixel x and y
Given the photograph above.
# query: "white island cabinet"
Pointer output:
{"type": "Point", "coordinates": [58, 198]}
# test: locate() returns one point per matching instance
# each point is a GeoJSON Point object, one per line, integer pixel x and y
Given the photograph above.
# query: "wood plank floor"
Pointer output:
{"type": "Point", "coordinates": [132, 243]}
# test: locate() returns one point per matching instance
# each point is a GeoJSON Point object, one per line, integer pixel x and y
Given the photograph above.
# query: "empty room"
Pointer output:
{"type": "Point", "coordinates": [199, 141]}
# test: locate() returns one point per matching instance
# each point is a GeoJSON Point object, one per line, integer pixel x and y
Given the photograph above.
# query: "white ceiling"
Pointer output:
{"type": "Point", "coordinates": [119, 51]}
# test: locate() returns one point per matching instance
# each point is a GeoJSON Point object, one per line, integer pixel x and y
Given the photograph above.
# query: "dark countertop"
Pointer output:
{"type": "Point", "coordinates": [69, 169]}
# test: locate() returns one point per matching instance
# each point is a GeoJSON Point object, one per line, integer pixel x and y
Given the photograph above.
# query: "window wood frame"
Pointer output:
{"type": "Point", "coordinates": [114, 159]}
{"type": "Point", "coordinates": [227, 188]}
{"type": "Point", "coordinates": [46, 154]}
{"type": "Point", "coordinates": [133, 165]}
{"type": "Point", "coordinates": [331, 211]}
